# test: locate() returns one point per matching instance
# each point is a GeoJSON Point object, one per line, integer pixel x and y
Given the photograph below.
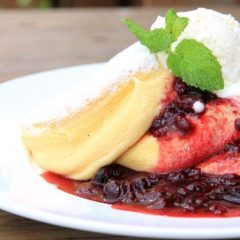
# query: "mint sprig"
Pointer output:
{"type": "Point", "coordinates": [175, 24]}
{"type": "Point", "coordinates": [156, 40]}
{"type": "Point", "coordinates": [191, 60]}
{"type": "Point", "coordinates": [196, 65]}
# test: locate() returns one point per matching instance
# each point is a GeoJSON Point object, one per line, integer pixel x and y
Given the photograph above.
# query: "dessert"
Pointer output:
{"type": "Point", "coordinates": [159, 130]}
{"type": "Point", "coordinates": [73, 135]}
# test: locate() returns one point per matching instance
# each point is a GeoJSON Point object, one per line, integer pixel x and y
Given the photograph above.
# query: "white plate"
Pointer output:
{"type": "Point", "coordinates": [25, 193]}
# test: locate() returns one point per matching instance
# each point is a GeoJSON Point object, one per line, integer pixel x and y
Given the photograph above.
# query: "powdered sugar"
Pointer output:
{"type": "Point", "coordinates": [116, 72]}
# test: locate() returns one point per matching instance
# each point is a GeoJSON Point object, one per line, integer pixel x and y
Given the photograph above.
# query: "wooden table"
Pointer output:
{"type": "Point", "coordinates": [33, 41]}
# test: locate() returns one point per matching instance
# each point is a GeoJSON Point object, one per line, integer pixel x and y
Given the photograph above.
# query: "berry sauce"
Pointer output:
{"type": "Point", "coordinates": [176, 115]}
{"type": "Point", "coordinates": [233, 147]}
{"type": "Point", "coordinates": [189, 193]}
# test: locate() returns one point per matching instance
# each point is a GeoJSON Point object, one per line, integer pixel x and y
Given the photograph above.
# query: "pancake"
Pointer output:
{"type": "Point", "coordinates": [90, 127]}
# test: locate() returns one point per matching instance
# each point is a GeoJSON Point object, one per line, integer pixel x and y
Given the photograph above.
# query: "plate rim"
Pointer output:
{"type": "Point", "coordinates": [118, 229]}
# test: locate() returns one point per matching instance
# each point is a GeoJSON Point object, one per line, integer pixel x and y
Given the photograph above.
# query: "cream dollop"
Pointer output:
{"type": "Point", "coordinates": [220, 33]}
{"type": "Point", "coordinates": [198, 107]}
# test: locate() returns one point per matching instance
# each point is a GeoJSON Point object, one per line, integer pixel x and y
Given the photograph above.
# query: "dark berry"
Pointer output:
{"type": "Point", "coordinates": [237, 124]}
{"type": "Point", "coordinates": [233, 195]}
{"type": "Point", "coordinates": [141, 183]}
{"type": "Point", "coordinates": [193, 174]}
{"type": "Point", "coordinates": [217, 208]}
{"type": "Point", "coordinates": [111, 191]}
{"type": "Point", "coordinates": [232, 147]}
{"type": "Point", "coordinates": [185, 103]}
{"type": "Point", "coordinates": [176, 176]}
{"type": "Point", "coordinates": [183, 124]}
{"type": "Point", "coordinates": [148, 197]}
{"type": "Point", "coordinates": [180, 86]}
{"type": "Point", "coordinates": [86, 189]}
{"type": "Point", "coordinates": [182, 191]}
{"type": "Point", "coordinates": [159, 204]}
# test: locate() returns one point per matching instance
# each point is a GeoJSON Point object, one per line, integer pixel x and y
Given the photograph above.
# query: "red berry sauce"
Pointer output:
{"type": "Point", "coordinates": [185, 193]}
{"type": "Point", "coordinates": [176, 115]}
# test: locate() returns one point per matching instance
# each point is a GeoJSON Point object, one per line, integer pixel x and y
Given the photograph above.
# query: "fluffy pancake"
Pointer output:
{"type": "Point", "coordinates": [84, 138]}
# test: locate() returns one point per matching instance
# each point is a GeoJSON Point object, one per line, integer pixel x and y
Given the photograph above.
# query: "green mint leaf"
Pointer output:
{"type": "Point", "coordinates": [156, 40]}
{"type": "Point", "coordinates": [175, 24]}
{"type": "Point", "coordinates": [196, 65]}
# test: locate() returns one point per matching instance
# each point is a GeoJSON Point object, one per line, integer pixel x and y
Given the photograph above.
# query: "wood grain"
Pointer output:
{"type": "Point", "coordinates": [33, 41]}
{"type": "Point", "coordinates": [18, 228]}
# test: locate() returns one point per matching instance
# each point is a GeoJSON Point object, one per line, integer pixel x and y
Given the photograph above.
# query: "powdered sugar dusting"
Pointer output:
{"type": "Point", "coordinates": [116, 72]}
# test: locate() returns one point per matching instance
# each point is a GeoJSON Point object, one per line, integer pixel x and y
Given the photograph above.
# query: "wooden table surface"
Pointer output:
{"type": "Point", "coordinates": [34, 40]}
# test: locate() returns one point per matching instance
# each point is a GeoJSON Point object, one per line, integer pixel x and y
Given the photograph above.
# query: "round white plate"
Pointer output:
{"type": "Point", "coordinates": [25, 193]}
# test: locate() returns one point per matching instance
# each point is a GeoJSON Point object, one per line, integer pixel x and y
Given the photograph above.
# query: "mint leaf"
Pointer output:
{"type": "Point", "coordinates": [196, 65]}
{"type": "Point", "coordinates": [156, 40]}
{"type": "Point", "coordinates": [175, 24]}
{"type": "Point", "coordinates": [192, 60]}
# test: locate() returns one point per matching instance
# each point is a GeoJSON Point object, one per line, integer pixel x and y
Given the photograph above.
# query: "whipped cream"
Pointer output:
{"type": "Point", "coordinates": [198, 107]}
{"type": "Point", "coordinates": [220, 33]}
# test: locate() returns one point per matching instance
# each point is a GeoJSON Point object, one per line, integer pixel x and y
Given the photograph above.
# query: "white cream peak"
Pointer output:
{"type": "Point", "coordinates": [220, 33]}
